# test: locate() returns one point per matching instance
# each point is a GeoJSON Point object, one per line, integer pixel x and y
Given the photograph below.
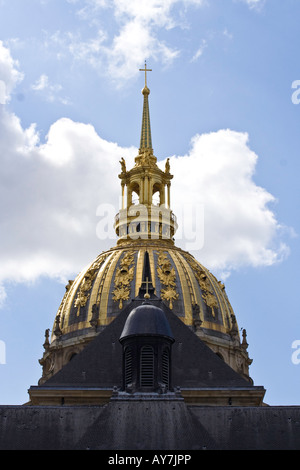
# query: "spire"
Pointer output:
{"type": "Point", "coordinates": [146, 140]}
{"type": "Point", "coordinates": [145, 212]}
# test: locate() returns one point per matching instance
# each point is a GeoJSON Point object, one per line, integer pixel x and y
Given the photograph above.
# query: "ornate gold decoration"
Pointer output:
{"type": "Point", "coordinates": [166, 272]}
{"type": "Point", "coordinates": [85, 287]}
{"type": "Point", "coordinates": [210, 301]}
{"type": "Point", "coordinates": [167, 167]}
{"type": "Point", "coordinates": [86, 284]}
{"type": "Point", "coordinates": [123, 277]}
{"type": "Point", "coordinates": [145, 158]}
{"type": "Point", "coordinates": [205, 286]}
{"type": "Point", "coordinates": [167, 276]}
{"type": "Point", "coordinates": [169, 294]}
{"type": "Point", "coordinates": [123, 165]}
{"type": "Point", "coordinates": [81, 300]}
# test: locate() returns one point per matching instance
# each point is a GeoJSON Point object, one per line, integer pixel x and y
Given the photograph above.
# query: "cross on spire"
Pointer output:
{"type": "Point", "coordinates": [147, 296]}
{"type": "Point", "coordinates": [145, 70]}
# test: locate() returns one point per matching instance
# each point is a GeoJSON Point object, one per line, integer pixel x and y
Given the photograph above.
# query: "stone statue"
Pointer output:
{"type": "Point", "coordinates": [123, 165]}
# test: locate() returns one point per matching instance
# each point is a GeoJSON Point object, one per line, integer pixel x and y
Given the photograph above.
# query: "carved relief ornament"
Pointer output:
{"type": "Point", "coordinates": [167, 276]}
{"type": "Point", "coordinates": [87, 283]}
{"type": "Point", "coordinates": [123, 277]}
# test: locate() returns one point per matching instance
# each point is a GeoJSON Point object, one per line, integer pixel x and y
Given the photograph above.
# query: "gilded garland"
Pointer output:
{"type": "Point", "coordinates": [167, 276]}
{"type": "Point", "coordinates": [124, 276]}
{"type": "Point", "coordinates": [86, 284]}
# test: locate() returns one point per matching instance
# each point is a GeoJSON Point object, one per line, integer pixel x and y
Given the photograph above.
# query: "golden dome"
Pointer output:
{"type": "Point", "coordinates": [109, 284]}
{"type": "Point", "coordinates": [113, 280]}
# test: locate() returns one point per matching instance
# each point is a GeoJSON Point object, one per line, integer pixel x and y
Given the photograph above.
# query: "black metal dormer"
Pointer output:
{"type": "Point", "coordinates": [146, 340]}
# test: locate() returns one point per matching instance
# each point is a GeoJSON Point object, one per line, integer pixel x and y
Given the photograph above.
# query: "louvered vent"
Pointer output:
{"type": "Point", "coordinates": [147, 367]}
{"type": "Point", "coordinates": [165, 367]}
{"type": "Point", "coordinates": [128, 366]}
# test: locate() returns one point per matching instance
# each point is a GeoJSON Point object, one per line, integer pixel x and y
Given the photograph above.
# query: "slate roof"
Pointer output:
{"type": "Point", "coordinates": [194, 365]}
{"type": "Point", "coordinates": [163, 422]}
{"type": "Point", "coordinates": [175, 426]}
{"type": "Point", "coordinates": [157, 423]}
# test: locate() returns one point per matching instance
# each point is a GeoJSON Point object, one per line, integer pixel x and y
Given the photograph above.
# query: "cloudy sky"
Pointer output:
{"type": "Point", "coordinates": [224, 104]}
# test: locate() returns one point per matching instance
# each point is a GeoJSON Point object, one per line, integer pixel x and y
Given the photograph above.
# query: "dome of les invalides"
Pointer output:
{"type": "Point", "coordinates": [146, 244]}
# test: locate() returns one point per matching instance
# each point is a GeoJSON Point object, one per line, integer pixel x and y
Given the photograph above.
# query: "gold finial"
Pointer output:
{"type": "Point", "coordinates": [145, 70]}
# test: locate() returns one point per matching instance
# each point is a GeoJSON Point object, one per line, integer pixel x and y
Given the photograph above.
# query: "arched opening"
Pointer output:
{"type": "Point", "coordinates": [133, 194]}
{"type": "Point", "coordinates": [158, 194]}
{"type": "Point", "coordinates": [134, 198]}
{"type": "Point", "coordinates": [155, 199]}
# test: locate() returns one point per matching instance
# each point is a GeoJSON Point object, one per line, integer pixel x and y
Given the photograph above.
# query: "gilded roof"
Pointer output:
{"type": "Point", "coordinates": [113, 280]}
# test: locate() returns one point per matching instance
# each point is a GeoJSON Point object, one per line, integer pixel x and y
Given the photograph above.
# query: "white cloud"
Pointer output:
{"type": "Point", "coordinates": [41, 83]}
{"type": "Point", "coordinates": [137, 31]}
{"type": "Point", "coordinates": [131, 46]}
{"type": "Point", "coordinates": [139, 24]}
{"type": "Point", "coordinates": [240, 228]}
{"type": "Point", "coordinates": [49, 195]}
{"type": "Point", "coordinates": [156, 12]}
{"type": "Point", "coordinates": [50, 91]}
{"type": "Point", "coordinates": [9, 74]}
{"type": "Point", "coordinates": [199, 51]}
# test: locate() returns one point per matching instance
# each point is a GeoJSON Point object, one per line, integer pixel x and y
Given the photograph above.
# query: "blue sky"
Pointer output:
{"type": "Point", "coordinates": [224, 107]}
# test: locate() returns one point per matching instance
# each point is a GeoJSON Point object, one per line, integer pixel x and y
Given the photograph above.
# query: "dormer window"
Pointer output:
{"type": "Point", "coordinates": [146, 341]}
